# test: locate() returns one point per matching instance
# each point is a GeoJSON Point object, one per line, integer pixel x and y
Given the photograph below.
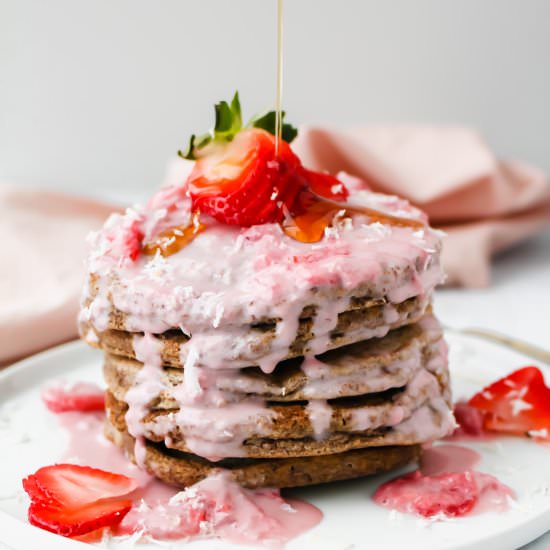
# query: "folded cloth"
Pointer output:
{"type": "Point", "coordinates": [484, 205]}
{"type": "Point", "coordinates": [43, 250]}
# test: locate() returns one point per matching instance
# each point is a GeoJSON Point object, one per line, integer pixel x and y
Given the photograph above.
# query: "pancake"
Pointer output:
{"type": "Point", "coordinates": [368, 366]}
{"type": "Point", "coordinates": [286, 362]}
{"type": "Point", "coordinates": [431, 421]}
{"type": "Point", "coordinates": [183, 469]}
{"type": "Point", "coordinates": [259, 341]}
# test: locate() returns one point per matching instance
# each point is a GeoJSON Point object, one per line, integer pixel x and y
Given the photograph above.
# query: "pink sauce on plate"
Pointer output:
{"type": "Point", "coordinates": [446, 485]}
{"type": "Point", "coordinates": [216, 507]}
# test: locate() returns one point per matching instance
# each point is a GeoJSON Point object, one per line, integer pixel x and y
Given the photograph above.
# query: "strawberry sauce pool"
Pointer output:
{"type": "Point", "coordinates": [445, 485]}
{"type": "Point", "coordinates": [216, 507]}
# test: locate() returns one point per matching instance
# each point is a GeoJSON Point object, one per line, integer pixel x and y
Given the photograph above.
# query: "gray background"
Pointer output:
{"type": "Point", "coordinates": [96, 95]}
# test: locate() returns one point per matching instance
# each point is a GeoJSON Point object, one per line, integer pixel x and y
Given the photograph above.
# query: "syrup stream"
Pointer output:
{"type": "Point", "coordinates": [279, 93]}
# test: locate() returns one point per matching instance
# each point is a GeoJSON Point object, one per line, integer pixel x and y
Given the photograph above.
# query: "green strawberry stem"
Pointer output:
{"type": "Point", "coordinates": [229, 123]}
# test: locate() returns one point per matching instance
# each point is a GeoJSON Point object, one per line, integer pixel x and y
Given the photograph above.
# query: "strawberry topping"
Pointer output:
{"type": "Point", "coordinates": [326, 186]}
{"type": "Point", "coordinates": [518, 404]}
{"type": "Point", "coordinates": [245, 183]}
{"type": "Point", "coordinates": [133, 241]}
{"type": "Point", "coordinates": [81, 397]}
{"type": "Point", "coordinates": [73, 500]}
{"type": "Point", "coordinates": [245, 175]}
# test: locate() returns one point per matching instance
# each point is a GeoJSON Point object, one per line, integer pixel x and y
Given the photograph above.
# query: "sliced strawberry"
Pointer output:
{"type": "Point", "coordinates": [518, 404]}
{"type": "Point", "coordinates": [132, 238]}
{"type": "Point", "coordinates": [73, 500]}
{"type": "Point", "coordinates": [245, 182]}
{"type": "Point", "coordinates": [35, 491]}
{"type": "Point", "coordinates": [71, 522]}
{"type": "Point", "coordinates": [82, 397]}
{"type": "Point", "coordinates": [72, 485]}
{"type": "Point", "coordinates": [326, 186]}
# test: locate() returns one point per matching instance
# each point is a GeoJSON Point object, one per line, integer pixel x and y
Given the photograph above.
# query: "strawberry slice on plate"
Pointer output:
{"type": "Point", "coordinates": [73, 500]}
{"type": "Point", "coordinates": [517, 404]}
{"type": "Point", "coordinates": [73, 485]}
{"type": "Point", "coordinates": [82, 397]}
{"type": "Point", "coordinates": [72, 522]}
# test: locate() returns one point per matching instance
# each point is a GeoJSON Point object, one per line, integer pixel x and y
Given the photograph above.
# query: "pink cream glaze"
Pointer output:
{"type": "Point", "coordinates": [215, 423]}
{"type": "Point", "coordinates": [445, 486]}
{"type": "Point", "coordinates": [217, 507]}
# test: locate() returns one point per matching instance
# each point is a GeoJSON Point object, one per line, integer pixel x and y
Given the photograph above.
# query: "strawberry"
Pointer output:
{"type": "Point", "coordinates": [73, 485]}
{"type": "Point", "coordinates": [72, 522]}
{"type": "Point", "coordinates": [132, 236]}
{"type": "Point", "coordinates": [326, 186]}
{"type": "Point", "coordinates": [245, 176]}
{"type": "Point", "coordinates": [518, 404]}
{"type": "Point", "coordinates": [73, 500]}
{"type": "Point", "coordinates": [245, 182]}
{"type": "Point", "coordinates": [81, 397]}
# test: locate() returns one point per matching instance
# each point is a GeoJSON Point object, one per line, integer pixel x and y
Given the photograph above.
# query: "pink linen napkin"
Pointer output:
{"type": "Point", "coordinates": [42, 266]}
{"type": "Point", "coordinates": [485, 205]}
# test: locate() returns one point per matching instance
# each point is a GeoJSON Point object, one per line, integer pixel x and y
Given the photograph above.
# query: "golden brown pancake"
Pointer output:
{"type": "Point", "coordinates": [354, 325]}
{"type": "Point", "coordinates": [184, 469]}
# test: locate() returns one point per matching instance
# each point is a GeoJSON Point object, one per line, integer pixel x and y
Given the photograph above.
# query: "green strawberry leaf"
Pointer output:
{"type": "Point", "coordinates": [195, 143]}
{"type": "Point", "coordinates": [267, 121]}
{"type": "Point", "coordinates": [228, 119]}
{"type": "Point", "coordinates": [229, 123]}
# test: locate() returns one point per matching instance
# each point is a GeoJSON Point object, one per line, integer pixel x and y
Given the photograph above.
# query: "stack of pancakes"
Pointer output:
{"type": "Point", "coordinates": [341, 380]}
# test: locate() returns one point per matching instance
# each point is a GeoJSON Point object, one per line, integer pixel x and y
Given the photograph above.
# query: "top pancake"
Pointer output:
{"type": "Point", "coordinates": [230, 277]}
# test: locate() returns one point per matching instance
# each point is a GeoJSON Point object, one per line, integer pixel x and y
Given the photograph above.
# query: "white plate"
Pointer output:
{"type": "Point", "coordinates": [30, 438]}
